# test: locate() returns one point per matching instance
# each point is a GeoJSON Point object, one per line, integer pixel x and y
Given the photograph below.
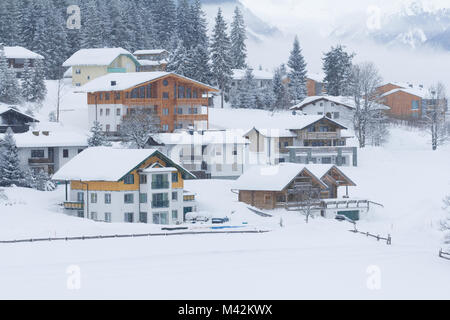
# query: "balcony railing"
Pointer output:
{"type": "Point", "coordinates": [40, 161]}
{"type": "Point", "coordinates": [117, 70]}
{"type": "Point", "coordinates": [74, 205]}
{"type": "Point", "coordinates": [160, 204]}
{"type": "Point", "coordinates": [160, 185]}
{"type": "Point", "coordinates": [322, 135]}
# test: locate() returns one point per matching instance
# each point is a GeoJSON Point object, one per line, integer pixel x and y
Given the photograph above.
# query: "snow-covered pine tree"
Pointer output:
{"type": "Point", "coordinates": [27, 82]}
{"type": "Point", "coordinates": [10, 171]}
{"type": "Point", "coordinates": [164, 22]}
{"type": "Point", "coordinates": [337, 65]}
{"type": "Point", "coordinates": [198, 66]}
{"type": "Point", "coordinates": [238, 37]}
{"type": "Point", "coordinates": [178, 60]}
{"type": "Point", "coordinates": [280, 91]}
{"type": "Point", "coordinates": [39, 86]}
{"type": "Point", "coordinates": [91, 34]}
{"type": "Point", "coordinates": [183, 27]}
{"type": "Point", "coordinates": [9, 85]}
{"type": "Point", "coordinates": [220, 56]}
{"type": "Point", "coordinates": [246, 95]}
{"type": "Point", "coordinates": [97, 137]}
{"type": "Point", "coordinates": [297, 73]}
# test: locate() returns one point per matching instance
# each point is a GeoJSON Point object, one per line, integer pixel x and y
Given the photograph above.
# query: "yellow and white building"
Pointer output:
{"type": "Point", "coordinates": [125, 185]}
{"type": "Point", "coordinates": [89, 64]}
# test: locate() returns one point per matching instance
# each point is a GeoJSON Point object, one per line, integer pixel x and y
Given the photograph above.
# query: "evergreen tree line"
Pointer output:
{"type": "Point", "coordinates": [41, 26]}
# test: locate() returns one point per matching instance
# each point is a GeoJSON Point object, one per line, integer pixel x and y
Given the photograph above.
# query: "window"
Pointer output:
{"type": "Point", "coordinates": [129, 217]}
{"type": "Point", "coordinates": [77, 71]}
{"type": "Point", "coordinates": [117, 95]}
{"type": "Point", "coordinates": [326, 160]}
{"type": "Point", "coordinates": [165, 127]}
{"type": "Point", "coordinates": [143, 198]}
{"type": "Point", "coordinates": [160, 218]}
{"type": "Point", "coordinates": [142, 92]}
{"type": "Point", "coordinates": [324, 129]}
{"type": "Point", "coordinates": [65, 153]}
{"type": "Point", "coordinates": [165, 111]}
{"type": "Point", "coordinates": [107, 198]}
{"type": "Point", "coordinates": [188, 93]}
{"type": "Point", "coordinates": [107, 216]}
{"type": "Point", "coordinates": [129, 179]}
{"type": "Point", "coordinates": [175, 177]}
{"type": "Point", "coordinates": [129, 198]}
{"type": "Point", "coordinates": [80, 196]}
{"type": "Point", "coordinates": [94, 216]}
{"type": "Point", "coordinates": [174, 215]}
{"type": "Point", "coordinates": [165, 95]}
{"type": "Point", "coordinates": [143, 217]}
{"type": "Point", "coordinates": [108, 128]}
{"type": "Point", "coordinates": [101, 112]}
{"type": "Point", "coordinates": [180, 110]}
{"type": "Point", "coordinates": [181, 92]}
{"type": "Point", "coordinates": [160, 200]}
{"type": "Point", "coordinates": [415, 105]}
{"type": "Point", "coordinates": [107, 96]}
{"type": "Point", "coordinates": [267, 199]}
{"type": "Point", "coordinates": [312, 129]}
{"type": "Point", "coordinates": [100, 96]}
{"type": "Point", "coordinates": [175, 196]}
{"type": "Point", "coordinates": [195, 94]}
{"type": "Point", "coordinates": [135, 93]}
{"type": "Point", "coordinates": [118, 112]}
{"type": "Point", "coordinates": [93, 198]}
{"type": "Point", "coordinates": [143, 179]}
{"type": "Point", "coordinates": [107, 111]}
{"type": "Point", "coordinates": [118, 128]}
{"type": "Point", "coordinates": [37, 153]}
{"type": "Point", "coordinates": [149, 91]}
{"type": "Point", "coordinates": [165, 83]}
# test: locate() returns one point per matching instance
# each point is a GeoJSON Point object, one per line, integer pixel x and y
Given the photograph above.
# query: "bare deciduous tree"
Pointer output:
{"type": "Point", "coordinates": [434, 115]}
{"type": "Point", "coordinates": [369, 120]}
{"type": "Point", "coordinates": [138, 126]}
{"type": "Point", "coordinates": [445, 223]}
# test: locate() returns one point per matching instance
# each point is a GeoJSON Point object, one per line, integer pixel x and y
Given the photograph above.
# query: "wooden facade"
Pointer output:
{"type": "Point", "coordinates": [403, 105]}
{"type": "Point", "coordinates": [165, 96]}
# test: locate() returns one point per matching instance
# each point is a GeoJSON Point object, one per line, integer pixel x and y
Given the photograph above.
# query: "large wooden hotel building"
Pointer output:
{"type": "Point", "coordinates": [178, 102]}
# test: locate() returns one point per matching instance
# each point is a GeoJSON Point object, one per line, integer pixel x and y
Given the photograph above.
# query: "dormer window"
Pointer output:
{"type": "Point", "coordinates": [113, 83]}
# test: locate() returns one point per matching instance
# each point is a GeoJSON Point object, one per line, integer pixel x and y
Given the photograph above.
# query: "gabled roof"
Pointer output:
{"type": "Point", "coordinates": [5, 109]}
{"type": "Point", "coordinates": [274, 178]}
{"type": "Point", "coordinates": [415, 92]}
{"type": "Point", "coordinates": [124, 81]}
{"type": "Point", "coordinates": [97, 57]}
{"type": "Point", "coordinates": [21, 53]}
{"type": "Point", "coordinates": [320, 171]}
{"type": "Point", "coordinates": [53, 139]}
{"type": "Point", "coordinates": [300, 123]}
{"type": "Point", "coordinates": [347, 102]}
{"type": "Point", "coordinates": [110, 164]}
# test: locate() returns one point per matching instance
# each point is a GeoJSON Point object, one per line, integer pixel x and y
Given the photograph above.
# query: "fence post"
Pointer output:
{"type": "Point", "coordinates": [389, 241]}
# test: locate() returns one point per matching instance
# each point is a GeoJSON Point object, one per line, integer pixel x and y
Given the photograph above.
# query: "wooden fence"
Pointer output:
{"type": "Point", "coordinates": [378, 237]}
{"type": "Point", "coordinates": [122, 236]}
{"type": "Point", "coordinates": [444, 255]}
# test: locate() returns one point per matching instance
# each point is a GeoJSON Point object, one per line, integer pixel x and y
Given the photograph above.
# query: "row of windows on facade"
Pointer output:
{"type": "Point", "coordinates": [40, 154]}
{"type": "Point", "coordinates": [146, 92]}
{"type": "Point", "coordinates": [158, 217]}
{"type": "Point", "coordinates": [158, 180]}
{"type": "Point", "coordinates": [165, 111]}
{"type": "Point", "coordinates": [334, 115]}
{"type": "Point", "coordinates": [323, 160]}
{"type": "Point", "coordinates": [159, 200]}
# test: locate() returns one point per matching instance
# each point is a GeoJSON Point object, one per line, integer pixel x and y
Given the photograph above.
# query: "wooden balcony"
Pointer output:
{"type": "Point", "coordinates": [191, 117]}
{"type": "Point", "coordinates": [39, 161]}
{"type": "Point", "coordinates": [74, 205]}
{"type": "Point", "coordinates": [322, 135]}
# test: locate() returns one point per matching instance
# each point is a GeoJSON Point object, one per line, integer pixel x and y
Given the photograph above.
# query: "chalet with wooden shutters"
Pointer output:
{"type": "Point", "coordinates": [177, 101]}
{"type": "Point", "coordinates": [86, 65]}
{"type": "Point", "coordinates": [12, 117]}
{"type": "Point", "coordinates": [126, 185]}
{"type": "Point", "coordinates": [289, 185]}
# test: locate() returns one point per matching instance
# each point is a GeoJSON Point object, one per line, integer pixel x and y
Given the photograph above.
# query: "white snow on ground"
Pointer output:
{"type": "Point", "coordinates": [318, 260]}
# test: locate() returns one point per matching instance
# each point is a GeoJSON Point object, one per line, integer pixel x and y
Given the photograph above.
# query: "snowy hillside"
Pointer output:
{"type": "Point", "coordinates": [319, 260]}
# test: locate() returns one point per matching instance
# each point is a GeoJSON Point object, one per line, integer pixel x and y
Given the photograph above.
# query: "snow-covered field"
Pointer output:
{"type": "Point", "coordinates": [318, 260]}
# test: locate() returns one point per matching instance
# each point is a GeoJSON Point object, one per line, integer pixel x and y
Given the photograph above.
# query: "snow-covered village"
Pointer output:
{"type": "Point", "coordinates": [225, 150]}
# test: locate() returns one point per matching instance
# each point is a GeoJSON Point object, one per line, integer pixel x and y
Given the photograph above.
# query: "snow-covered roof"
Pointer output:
{"type": "Point", "coordinates": [155, 51]}
{"type": "Point", "coordinates": [201, 138]}
{"type": "Point", "coordinates": [274, 178]}
{"type": "Point", "coordinates": [152, 62]}
{"type": "Point", "coordinates": [284, 130]}
{"type": "Point", "coordinates": [107, 164]}
{"type": "Point", "coordinates": [239, 74]}
{"type": "Point", "coordinates": [68, 73]}
{"type": "Point", "coordinates": [340, 100]}
{"type": "Point", "coordinates": [95, 57]}
{"type": "Point", "coordinates": [421, 93]}
{"type": "Point", "coordinates": [53, 139]}
{"type": "Point", "coordinates": [318, 77]}
{"type": "Point", "coordinates": [125, 81]}
{"type": "Point", "coordinates": [5, 108]}
{"type": "Point", "coordinates": [21, 53]}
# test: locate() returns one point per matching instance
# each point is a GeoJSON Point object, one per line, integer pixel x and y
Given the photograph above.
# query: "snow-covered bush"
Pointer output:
{"type": "Point", "coordinates": [39, 180]}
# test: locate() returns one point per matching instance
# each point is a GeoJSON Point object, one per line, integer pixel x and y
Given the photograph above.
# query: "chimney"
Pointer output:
{"type": "Point", "coordinates": [46, 133]}
{"type": "Point", "coordinates": [36, 133]}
